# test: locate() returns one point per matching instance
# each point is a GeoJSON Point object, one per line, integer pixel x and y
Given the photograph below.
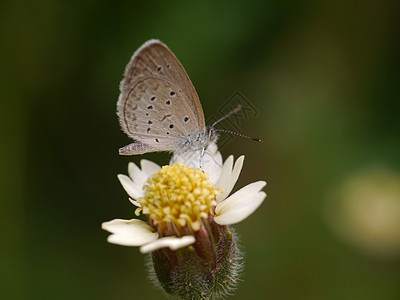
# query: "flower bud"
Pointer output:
{"type": "Point", "coordinates": [209, 268]}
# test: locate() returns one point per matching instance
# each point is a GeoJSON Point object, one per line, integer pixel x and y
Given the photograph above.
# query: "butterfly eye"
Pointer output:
{"type": "Point", "coordinates": [171, 126]}
{"type": "Point", "coordinates": [158, 68]}
{"type": "Point", "coordinates": [172, 93]}
{"type": "Point", "coordinates": [213, 136]}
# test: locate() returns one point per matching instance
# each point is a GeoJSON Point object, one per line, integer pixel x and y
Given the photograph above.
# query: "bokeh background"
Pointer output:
{"type": "Point", "coordinates": [324, 77]}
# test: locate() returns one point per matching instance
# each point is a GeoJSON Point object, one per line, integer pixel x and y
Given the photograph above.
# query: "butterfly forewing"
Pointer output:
{"type": "Point", "coordinates": [158, 105]}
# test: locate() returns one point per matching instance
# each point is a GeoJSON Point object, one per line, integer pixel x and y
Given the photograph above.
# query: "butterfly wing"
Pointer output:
{"type": "Point", "coordinates": [158, 105]}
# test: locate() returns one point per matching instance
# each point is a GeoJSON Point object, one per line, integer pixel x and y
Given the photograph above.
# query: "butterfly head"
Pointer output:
{"type": "Point", "coordinates": [212, 135]}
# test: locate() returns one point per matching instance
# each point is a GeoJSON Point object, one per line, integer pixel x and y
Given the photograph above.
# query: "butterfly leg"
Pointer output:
{"type": "Point", "coordinates": [201, 158]}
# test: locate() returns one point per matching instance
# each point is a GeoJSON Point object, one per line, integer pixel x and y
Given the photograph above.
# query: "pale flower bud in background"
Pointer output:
{"type": "Point", "coordinates": [365, 212]}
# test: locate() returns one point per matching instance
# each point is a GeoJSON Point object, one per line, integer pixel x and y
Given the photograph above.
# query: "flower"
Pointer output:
{"type": "Point", "coordinates": [194, 251]}
{"type": "Point", "coordinates": [228, 210]}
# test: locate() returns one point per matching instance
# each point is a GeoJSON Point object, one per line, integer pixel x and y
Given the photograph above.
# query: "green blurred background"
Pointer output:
{"type": "Point", "coordinates": [324, 77]}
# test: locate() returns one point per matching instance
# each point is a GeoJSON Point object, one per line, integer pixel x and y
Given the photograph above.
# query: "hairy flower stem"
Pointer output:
{"type": "Point", "coordinates": [208, 269]}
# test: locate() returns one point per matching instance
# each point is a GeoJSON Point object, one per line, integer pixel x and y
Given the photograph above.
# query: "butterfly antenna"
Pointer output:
{"type": "Point", "coordinates": [239, 134]}
{"type": "Point", "coordinates": [234, 111]}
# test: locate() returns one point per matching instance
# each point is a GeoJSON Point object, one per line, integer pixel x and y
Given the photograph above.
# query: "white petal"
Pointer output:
{"type": "Point", "coordinates": [130, 187]}
{"type": "Point", "coordinates": [173, 243]}
{"type": "Point", "coordinates": [137, 175]}
{"type": "Point", "coordinates": [241, 204]}
{"type": "Point", "coordinates": [210, 162]}
{"type": "Point", "coordinates": [189, 158]}
{"type": "Point", "coordinates": [250, 189]}
{"type": "Point", "coordinates": [129, 232]}
{"type": "Point", "coordinates": [134, 202]}
{"type": "Point", "coordinates": [149, 167]}
{"type": "Point", "coordinates": [212, 148]}
{"type": "Point", "coordinates": [225, 172]}
{"type": "Point", "coordinates": [229, 177]}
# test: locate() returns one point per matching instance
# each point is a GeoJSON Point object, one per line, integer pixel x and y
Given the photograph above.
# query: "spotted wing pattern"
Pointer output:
{"type": "Point", "coordinates": [158, 105]}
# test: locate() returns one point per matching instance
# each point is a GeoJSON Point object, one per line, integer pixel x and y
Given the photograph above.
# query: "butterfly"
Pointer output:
{"type": "Point", "coordinates": [158, 105]}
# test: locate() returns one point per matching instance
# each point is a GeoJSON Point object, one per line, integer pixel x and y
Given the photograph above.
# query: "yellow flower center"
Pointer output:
{"type": "Point", "coordinates": [180, 195]}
